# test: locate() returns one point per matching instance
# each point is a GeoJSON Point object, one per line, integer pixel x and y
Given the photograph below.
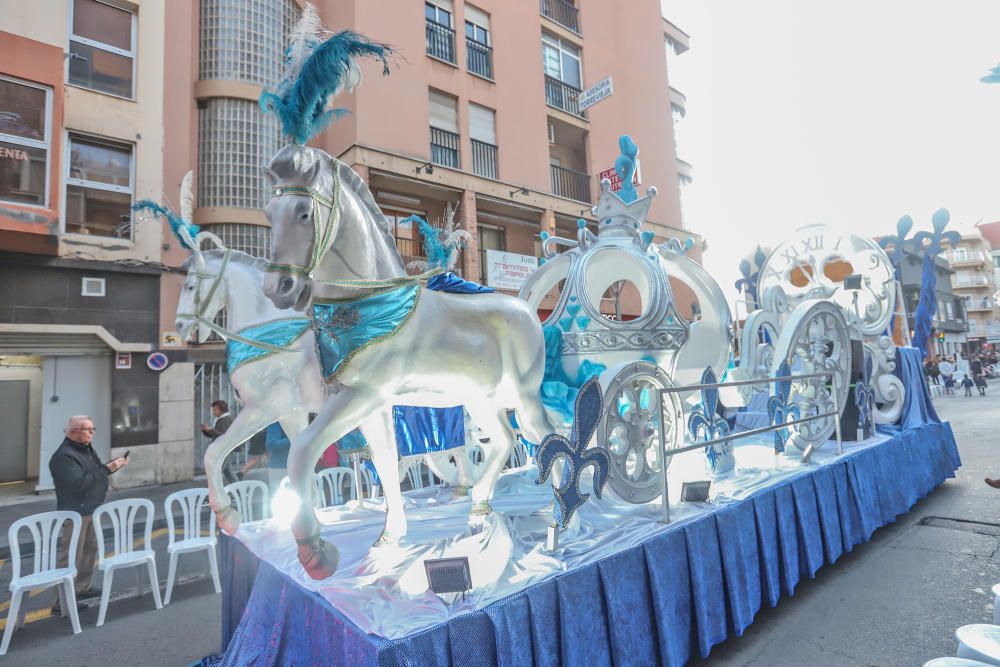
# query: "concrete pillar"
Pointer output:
{"type": "Point", "coordinates": [466, 219]}
{"type": "Point", "coordinates": [175, 451]}
{"type": "Point", "coordinates": [547, 223]}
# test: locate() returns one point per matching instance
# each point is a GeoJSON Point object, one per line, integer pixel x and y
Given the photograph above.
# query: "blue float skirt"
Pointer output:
{"type": "Point", "coordinates": [281, 333]}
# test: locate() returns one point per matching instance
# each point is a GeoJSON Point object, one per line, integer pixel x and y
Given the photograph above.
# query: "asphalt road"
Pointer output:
{"type": "Point", "coordinates": [898, 600]}
{"type": "Point", "coordinates": [894, 601]}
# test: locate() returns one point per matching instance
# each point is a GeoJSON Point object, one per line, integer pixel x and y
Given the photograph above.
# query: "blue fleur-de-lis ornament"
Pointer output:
{"type": "Point", "coordinates": [751, 274]}
{"type": "Point", "coordinates": [587, 414]}
{"type": "Point", "coordinates": [939, 221]}
{"type": "Point", "coordinates": [705, 424]}
{"type": "Point", "coordinates": [779, 408]}
{"type": "Point", "coordinates": [864, 397]}
{"type": "Point", "coordinates": [900, 244]}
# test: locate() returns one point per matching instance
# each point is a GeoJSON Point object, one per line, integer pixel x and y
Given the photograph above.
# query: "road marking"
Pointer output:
{"type": "Point", "coordinates": [32, 616]}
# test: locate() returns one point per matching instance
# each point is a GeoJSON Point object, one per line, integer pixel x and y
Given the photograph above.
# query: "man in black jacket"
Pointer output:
{"type": "Point", "coordinates": [223, 420]}
{"type": "Point", "coordinates": [81, 482]}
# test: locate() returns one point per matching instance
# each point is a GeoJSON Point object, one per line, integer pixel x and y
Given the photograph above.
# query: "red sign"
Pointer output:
{"type": "Point", "coordinates": [616, 180]}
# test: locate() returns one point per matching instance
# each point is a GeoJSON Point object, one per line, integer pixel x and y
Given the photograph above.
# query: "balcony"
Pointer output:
{"type": "Point", "coordinates": [563, 96]}
{"type": "Point", "coordinates": [570, 184]}
{"type": "Point", "coordinates": [966, 258]}
{"type": "Point", "coordinates": [484, 159]}
{"type": "Point", "coordinates": [971, 282]}
{"type": "Point", "coordinates": [440, 41]}
{"type": "Point", "coordinates": [444, 148]}
{"type": "Point", "coordinates": [563, 13]}
{"type": "Point", "coordinates": [678, 100]}
{"type": "Point", "coordinates": [979, 304]}
{"type": "Point", "coordinates": [479, 58]}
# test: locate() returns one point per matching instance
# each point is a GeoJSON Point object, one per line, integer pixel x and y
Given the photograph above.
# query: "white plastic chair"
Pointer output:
{"type": "Point", "coordinates": [44, 528]}
{"type": "Point", "coordinates": [243, 495]}
{"type": "Point", "coordinates": [475, 454]}
{"type": "Point", "coordinates": [979, 641]}
{"type": "Point", "coordinates": [518, 455]}
{"type": "Point", "coordinates": [330, 484]}
{"type": "Point", "coordinates": [368, 486]}
{"type": "Point", "coordinates": [415, 473]}
{"type": "Point", "coordinates": [123, 515]}
{"type": "Point", "coordinates": [191, 501]}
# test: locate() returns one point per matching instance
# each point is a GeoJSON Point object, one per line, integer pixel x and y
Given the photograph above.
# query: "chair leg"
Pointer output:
{"type": "Point", "coordinates": [109, 575]}
{"type": "Point", "coordinates": [171, 573]}
{"type": "Point", "coordinates": [213, 565]}
{"type": "Point", "coordinates": [154, 582]}
{"type": "Point", "coordinates": [138, 582]}
{"type": "Point", "coordinates": [15, 607]}
{"type": "Point", "coordinates": [61, 596]}
{"type": "Point", "coordinates": [74, 615]}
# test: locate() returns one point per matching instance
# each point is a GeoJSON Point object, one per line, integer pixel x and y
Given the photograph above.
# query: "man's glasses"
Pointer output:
{"type": "Point", "coordinates": [88, 429]}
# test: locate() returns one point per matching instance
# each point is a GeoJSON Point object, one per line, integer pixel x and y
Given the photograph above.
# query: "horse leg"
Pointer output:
{"type": "Point", "coordinates": [380, 434]}
{"type": "Point", "coordinates": [338, 416]}
{"type": "Point", "coordinates": [438, 464]}
{"type": "Point", "coordinates": [247, 424]}
{"type": "Point", "coordinates": [465, 477]}
{"type": "Point", "coordinates": [496, 425]}
{"type": "Point", "coordinates": [292, 424]}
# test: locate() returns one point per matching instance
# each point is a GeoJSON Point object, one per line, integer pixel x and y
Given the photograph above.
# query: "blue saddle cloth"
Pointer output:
{"type": "Point", "coordinates": [281, 333]}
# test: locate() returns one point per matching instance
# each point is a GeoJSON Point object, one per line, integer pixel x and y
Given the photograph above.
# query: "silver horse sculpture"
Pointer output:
{"type": "Point", "coordinates": [330, 241]}
{"type": "Point", "coordinates": [282, 386]}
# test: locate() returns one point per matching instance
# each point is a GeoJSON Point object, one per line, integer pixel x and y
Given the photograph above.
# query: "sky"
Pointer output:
{"type": "Point", "coordinates": [850, 113]}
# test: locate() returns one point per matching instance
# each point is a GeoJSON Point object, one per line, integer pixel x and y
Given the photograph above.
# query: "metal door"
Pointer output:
{"type": "Point", "coordinates": [211, 382]}
{"type": "Point", "coordinates": [14, 434]}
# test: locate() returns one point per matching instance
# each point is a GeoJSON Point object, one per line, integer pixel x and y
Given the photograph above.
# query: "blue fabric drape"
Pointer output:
{"type": "Point", "coordinates": [281, 333]}
{"type": "Point", "coordinates": [665, 601]}
{"type": "Point", "coordinates": [452, 284]}
{"type": "Point", "coordinates": [918, 408]}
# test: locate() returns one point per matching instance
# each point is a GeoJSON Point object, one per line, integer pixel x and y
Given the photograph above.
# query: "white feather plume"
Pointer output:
{"type": "Point", "coordinates": [187, 197]}
{"type": "Point", "coordinates": [304, 38]}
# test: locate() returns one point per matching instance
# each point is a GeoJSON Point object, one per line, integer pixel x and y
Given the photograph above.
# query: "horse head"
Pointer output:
{"type": "Point", "coordinates": [301, 215]}
{"type": "Point", "coordinates": [201, 295]}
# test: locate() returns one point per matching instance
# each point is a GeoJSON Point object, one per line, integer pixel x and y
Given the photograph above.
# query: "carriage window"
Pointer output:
{"type": "Point", "coordinates": [24, 142]}
{"type": "Point", "coordinates": [102, 48]}
{"type": "Point", "coordinates": [99, 188]}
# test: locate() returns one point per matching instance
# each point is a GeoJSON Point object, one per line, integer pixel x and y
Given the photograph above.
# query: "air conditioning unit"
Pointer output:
{"type": "Point", "coordinates": [552, 132]}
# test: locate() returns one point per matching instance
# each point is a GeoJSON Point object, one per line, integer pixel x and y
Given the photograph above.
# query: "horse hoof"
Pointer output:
{"type": "Point", "coordinates": [319, 558]}
{"type": "Point", "coordinates": [482, 508]}
{"type": "Point", "coordinates": [229, 519]}
{"type": "Point", "coordinates": [460, 491]}
{"type": "Point", "coordinates": [386, 539]}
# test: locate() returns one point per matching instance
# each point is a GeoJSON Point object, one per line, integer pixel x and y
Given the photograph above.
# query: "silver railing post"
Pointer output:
{"type": "Point", "coordinates": [665, 498]}
{"type": "Point", "coordinates": [836, 409]}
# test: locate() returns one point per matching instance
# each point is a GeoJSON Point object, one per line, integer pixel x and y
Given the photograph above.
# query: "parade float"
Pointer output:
{"type": "Point", "coordinates": [649, 525]}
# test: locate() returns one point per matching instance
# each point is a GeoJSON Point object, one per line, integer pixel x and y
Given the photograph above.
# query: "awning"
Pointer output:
{"type": "Point", "coordinates": [62, 340]}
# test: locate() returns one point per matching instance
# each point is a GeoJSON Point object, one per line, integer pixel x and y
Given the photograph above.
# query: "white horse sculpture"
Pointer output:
{"type": "Point", "coordinates": [282, 384]}
{"type": "Point", "coordinates": [483, 351]}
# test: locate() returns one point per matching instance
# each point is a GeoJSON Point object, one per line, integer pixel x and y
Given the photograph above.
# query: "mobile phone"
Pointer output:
{"type": "Point", "coordinates": [127, 452]}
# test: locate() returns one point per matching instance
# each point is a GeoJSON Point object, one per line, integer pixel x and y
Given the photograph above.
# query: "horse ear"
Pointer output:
{"type": "Point", "coordinates": [269, 175]}
{"type": "Point", "coordinates": [313, 172]}
{"type": "Point", "coordinates": [199, 260]}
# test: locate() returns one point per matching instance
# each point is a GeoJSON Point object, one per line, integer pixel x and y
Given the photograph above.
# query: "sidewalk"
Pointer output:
{"type": "Point", "coordinates": [46, 501]}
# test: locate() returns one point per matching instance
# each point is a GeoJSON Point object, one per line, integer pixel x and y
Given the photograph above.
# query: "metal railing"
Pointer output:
{"type": "Point", "coordinates": [563, 13]}
{"type": "Point", "coordinates": [484, 159]}
{"type": "Point", "coordinates": [479, 58]}
{"type": "Point", "coordinates": [563, 96]}
{"type": "Point", "coordinates": [440, 41]}
{"type": "Point", "coordinates": [444, 148]}
{"type": "Point", "coordinates": [743, 434]}
{"type": "Point", "coordinates": [570, 184]}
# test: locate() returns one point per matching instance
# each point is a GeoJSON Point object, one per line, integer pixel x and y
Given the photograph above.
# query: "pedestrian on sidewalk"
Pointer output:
{"type": "Point", "coordinates": [81, 482]}
{"type": "Point", "coordinates": [967, 385]}
{"type": "Point", "coordinates": [947, 369]}
{"type": "Point", "coordinates": [223, 420]}
{"type": "Point", "coordinates": [981, 384]}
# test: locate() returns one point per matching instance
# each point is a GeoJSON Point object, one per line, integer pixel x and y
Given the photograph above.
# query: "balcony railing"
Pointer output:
{"type": "Point", "coordinates": [479, 58]}
{"type": "Point", "coordinates": [440, 41]}
{"type": "Point", "coordinates": [563, 13]}
{"type": "Point", "coordinates": [484, 159]}
{"type": "Point", "coordinates": [444, 148]}
{"type": "Point", "coordinates": [563, 96]}
{"type": "Point", "coordinates": [982, 304]}
{"type": "Point", "coordinates": [976, 281]}
{"type": "Point", "coordinates": [966, 258]}
{"type": "Point", "coordinates": [410, 250]}
{"type": "Point", "coordinates": [570, 184]}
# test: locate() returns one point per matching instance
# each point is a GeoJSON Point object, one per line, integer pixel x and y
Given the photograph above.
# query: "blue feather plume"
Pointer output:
{"type": "Point", "coordinates": [176, 221]}
{"type": "Point", "coordinates": [300, 102]}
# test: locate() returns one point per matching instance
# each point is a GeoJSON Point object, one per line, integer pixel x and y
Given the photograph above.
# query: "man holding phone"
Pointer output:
{"type": "Point", "coordinates": [81, 482]}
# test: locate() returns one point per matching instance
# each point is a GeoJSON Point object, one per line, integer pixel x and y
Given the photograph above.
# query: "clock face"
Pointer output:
{"type": "Point", "coordinates": [814, 263]}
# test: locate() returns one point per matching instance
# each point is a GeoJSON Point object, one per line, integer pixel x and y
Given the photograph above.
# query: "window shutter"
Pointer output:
{"type": "Point", "coordinates": [477, 16]}
{"type": "Point", "coordinates": [482, 124]}
{"type": "Point", "coordinates": [444, 115]}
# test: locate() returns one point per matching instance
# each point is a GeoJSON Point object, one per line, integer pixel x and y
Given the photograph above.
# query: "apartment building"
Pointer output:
{"type": "Point", "coordinates": [973, 281]}
{"type": "Point", "coordinates": [81, 138]}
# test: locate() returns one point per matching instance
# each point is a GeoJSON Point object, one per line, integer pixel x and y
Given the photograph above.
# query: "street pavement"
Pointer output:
{"type": "Point", "coordinates": [894, 601]}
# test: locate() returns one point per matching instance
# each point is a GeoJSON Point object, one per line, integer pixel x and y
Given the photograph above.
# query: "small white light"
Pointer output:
{"type": "Point", "coordinates": [284, 505]}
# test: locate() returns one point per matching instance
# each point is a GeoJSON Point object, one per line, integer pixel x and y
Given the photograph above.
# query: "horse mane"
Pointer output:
{"type": "Point", "coordinates": [350, 178]}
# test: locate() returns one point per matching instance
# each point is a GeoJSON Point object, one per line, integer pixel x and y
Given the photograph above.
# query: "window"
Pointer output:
{"type": "Point", "coordinates": [439, 12]}
{"type": "Point", "coordinates": [408, 241]}
{"type": "Point", "coordinates": [102, 48]}
{"type": "Point", "coordinates": [479, 55]}
{"type": "Point", "coordinates": [950, 309]}
{"type": "Point", "coordinates": [99, 187]}
{"type": "Point", "coordinates": [491, 237]}
{"type": "Point", "coordinates": [444, 129]}
{"type": "Point", "coordinates": [561, 60]}
{"type": "Point", "coordinates": [25, 128]}
{"type": "Point", "coordinates": [477, 25]}
{"type": "Point", "coordinates": [482, 131]}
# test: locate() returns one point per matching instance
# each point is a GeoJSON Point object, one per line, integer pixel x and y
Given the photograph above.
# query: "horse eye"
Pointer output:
{"type": "Point", "coordinates": [304, 216]}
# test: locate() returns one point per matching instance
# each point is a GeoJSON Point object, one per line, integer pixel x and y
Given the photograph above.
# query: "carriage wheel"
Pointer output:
{"type": "Point", "coordinates": [630, 430]}
{"type": "Point", "coordinates": [814, 339]}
